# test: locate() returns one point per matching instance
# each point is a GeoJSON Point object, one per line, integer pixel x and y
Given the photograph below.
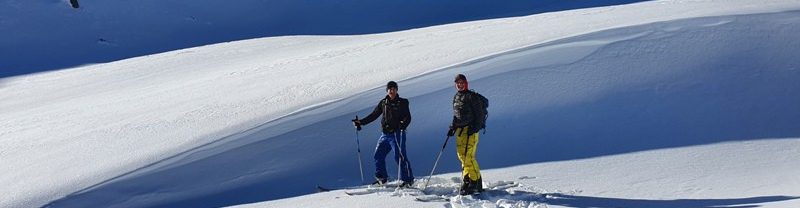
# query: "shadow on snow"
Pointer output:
{"type": "Point", "coordinates": [602, 202]}
{"type": "Point", "coordinates": [620, 98]}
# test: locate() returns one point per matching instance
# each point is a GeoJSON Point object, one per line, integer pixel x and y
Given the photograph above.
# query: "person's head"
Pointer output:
{"type": "Point", "coordinates": [461, 82]}
{"type": "Point", "coordinates": [391, 89]}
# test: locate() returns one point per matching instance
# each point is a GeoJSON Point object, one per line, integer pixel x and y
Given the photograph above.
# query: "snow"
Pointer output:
{"type": "Point", "coordinates": [109, 30]}
{"type": "Point", "coordinates": [653, 104]}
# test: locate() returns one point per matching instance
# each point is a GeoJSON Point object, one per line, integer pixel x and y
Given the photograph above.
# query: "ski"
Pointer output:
{"type": "Point", "coordinates": [372, 189]}
{"type": "Point", "coordinates": [365, 186]}
{"type": "Point", "coordinates": [360, 192]}
{"type": "Point", "coordinates": [431, 198]}
{"type": "Point", "coordinates": [327, 189]}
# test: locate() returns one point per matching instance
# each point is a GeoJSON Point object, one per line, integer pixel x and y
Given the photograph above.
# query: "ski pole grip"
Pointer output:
{"type": "Point", "coordinates": [358, 126]}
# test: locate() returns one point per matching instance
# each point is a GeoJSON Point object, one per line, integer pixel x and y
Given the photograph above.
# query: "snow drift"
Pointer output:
{"type": "Point", "coordinates": [48, 35]}
{"type": "Point", "coordinates": [656, 86]}
{"type": "Point", "coordinates": [575, 94]}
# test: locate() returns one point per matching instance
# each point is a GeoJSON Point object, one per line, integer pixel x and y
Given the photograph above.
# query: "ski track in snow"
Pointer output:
{"type": "Point", "coordinates": [508, 194]}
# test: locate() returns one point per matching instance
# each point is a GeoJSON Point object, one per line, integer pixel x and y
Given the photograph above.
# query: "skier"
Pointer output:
{"type": "Point", "coordinates": [74, 3]}
{"type": "Point", "coordinates": [396, 118]}
{"type": "Point", "coordinates": [466, 124]}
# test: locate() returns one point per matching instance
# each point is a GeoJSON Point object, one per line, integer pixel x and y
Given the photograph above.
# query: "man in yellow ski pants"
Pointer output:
{"type": "Point", "coordinates": [467, 121]}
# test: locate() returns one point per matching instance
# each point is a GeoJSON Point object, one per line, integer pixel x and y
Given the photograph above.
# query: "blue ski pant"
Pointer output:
{"type": "Point", "coordinates": [386, 143]}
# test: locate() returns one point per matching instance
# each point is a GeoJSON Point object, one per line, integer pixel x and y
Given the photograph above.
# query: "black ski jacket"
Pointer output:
{"type": "Point", "coordinates": [396, 115]}
{"type": "Point", "coordinates": [466, 110]}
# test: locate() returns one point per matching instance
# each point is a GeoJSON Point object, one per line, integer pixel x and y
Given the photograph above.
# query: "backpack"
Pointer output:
{"type": "Point", "coordinates": [483, 102]}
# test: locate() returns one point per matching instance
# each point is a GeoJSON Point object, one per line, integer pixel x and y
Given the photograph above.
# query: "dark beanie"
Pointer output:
{"type": "Point", "coordinates": [391, 84]}
{"type": "Point", "coordinates": [460, 77]}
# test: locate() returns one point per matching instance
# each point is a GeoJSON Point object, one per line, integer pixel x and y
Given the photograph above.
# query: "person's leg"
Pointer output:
{"type": "Point", "coordinates": [474, 170]}
{"type": "Point", "coordinates": [461, 152]}
{"type": "Point", "coordinates": [406, 174]}
{"type": "Point", "coordinates": [381, 150]}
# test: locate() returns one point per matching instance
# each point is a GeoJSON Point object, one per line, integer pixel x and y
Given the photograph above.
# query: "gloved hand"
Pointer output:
{"type": "Point", "coordinates": [402, 126]}
{"type": "Point", "coordinates": [451, 130]}
{"type": "Point", "coordinates": [357, 124]}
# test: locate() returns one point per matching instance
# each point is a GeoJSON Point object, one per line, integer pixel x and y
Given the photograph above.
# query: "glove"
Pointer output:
{"type": "Point", "coordinates": [403, 126]}
{"type": "Point", "coordinates": [357, 124]}
{"type": "Point", "coordinates": [451, 130]}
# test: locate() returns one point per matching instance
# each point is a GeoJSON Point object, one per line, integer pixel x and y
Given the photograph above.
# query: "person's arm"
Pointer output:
{"type": "Point", "coordinates": [407, 119]}
{"type": "Point", "coordinates": [452, 128]}
{"type": "Point", "coordinates": [374, 115]}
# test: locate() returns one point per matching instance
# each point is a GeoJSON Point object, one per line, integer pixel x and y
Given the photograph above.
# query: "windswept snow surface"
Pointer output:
{"type": "Point", "coordinates": [656, 104]}
{"type": "Point", "coordinates": [669, 114]}
{"type": "Point", "coordinates": [46, 35]}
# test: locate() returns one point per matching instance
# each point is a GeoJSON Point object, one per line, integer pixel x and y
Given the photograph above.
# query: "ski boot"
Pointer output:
{"type": "Point", "coordinates": [466, 187]}
{"type": "Point", "coordinates": [379, 182]}
{"type": "Point", "coordinates": [407, 184]}
{"type": "Point", "coordinates": [477, 186]}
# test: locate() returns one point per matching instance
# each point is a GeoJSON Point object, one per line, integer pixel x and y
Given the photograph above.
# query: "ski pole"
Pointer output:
{"type": "Point", "coordinates": [399, 151]}
{"type": "Point", "coordinates": [436, 163]}
{"type": "Point", "coordinates": [405, 159]}
{"type": "Point", "coordinates": [358, 146]}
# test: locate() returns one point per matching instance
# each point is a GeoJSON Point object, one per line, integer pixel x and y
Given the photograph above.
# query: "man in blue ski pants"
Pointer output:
{"type": "Point", "coordinates": [396, 117]}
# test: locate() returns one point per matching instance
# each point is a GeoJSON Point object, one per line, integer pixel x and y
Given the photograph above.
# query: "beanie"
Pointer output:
{"type": "Point", "coordinates": [391, 84]}
{"type": "Point", "coordinates": [462, 78]}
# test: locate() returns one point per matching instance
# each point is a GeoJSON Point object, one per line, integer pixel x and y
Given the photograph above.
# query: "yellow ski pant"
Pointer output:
{"type": "Point", "coordinates": [466, 146]}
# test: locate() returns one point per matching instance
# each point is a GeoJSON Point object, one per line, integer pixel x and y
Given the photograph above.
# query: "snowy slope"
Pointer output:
{"type": "Point", "coordinates": [264, 119]}
{"type": "Point", "coordinates": [763, 175]}
{"type": "Point", "coordinates": [582, 103]}
{"type": "Point", "coordinates": [47, 35]}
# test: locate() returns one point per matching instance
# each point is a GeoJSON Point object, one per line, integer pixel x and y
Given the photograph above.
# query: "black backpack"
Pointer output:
{"type": "Point", "coordinates": [484, 103]}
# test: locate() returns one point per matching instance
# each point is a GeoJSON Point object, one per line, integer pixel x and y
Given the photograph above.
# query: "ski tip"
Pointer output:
{"type": "Point", "coordinates": [431, 199]}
